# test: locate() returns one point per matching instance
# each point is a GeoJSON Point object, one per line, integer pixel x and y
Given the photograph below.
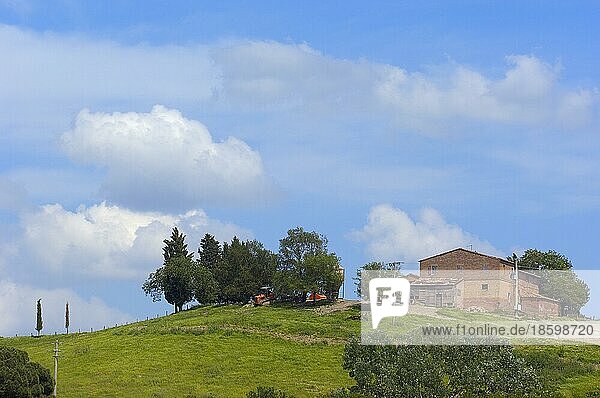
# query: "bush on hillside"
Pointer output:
{"type": "Point", "coordinates": [344, 393]}
{"type": "Point", "coordinates": [267, 392]}
{"type": "Point", "coordinates": [20, 378]}
{"type": "Point", "coordinates": [440, 371]}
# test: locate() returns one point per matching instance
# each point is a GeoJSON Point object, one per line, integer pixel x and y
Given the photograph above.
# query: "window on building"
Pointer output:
{"type": "Point", "coordinates": [484, 286]}
{"type": "Point", "coordinates": [432, 269]}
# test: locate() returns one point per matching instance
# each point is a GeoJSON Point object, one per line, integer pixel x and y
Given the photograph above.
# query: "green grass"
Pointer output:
{"type": "Point", "coordinates": [225, 351]}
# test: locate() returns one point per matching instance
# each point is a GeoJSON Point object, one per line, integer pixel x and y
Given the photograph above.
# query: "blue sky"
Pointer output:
{"type": "Point", "coordinates": [396, 129]}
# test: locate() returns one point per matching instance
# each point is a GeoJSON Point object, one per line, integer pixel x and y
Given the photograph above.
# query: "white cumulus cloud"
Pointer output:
{"type": "Point", "coordinates": [391, 234]}
{"type": "Point", "coordinates": [528, 94]}
{"type": "Point", "coordinates": [161, 160]}
{"type": "Point", "coordinates": [106, 241]}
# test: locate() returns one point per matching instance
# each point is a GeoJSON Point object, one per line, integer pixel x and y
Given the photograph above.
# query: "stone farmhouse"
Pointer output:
{"type": "Point", "coordinates": [467, 279]}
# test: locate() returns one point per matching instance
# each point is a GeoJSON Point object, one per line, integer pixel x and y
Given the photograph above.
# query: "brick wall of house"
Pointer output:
{"type": "Point", "coordinates": [487, 281]}
{"type": "Point", "coordinates": [463, 259]}
{"type": "Point", "coordinates": [540, 307]}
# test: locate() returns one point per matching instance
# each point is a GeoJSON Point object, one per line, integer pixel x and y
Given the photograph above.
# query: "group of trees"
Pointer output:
{"type": "Point", "coordinates": [236, 270]}
{"type": "Point", "coordinates": [20, 378]}
{"type": "Point", "coordinates": [39, 322]}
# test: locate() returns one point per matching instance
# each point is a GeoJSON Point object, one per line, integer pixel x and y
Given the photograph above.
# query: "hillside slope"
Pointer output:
{"type": "Point", "coordinates": [225, 351]}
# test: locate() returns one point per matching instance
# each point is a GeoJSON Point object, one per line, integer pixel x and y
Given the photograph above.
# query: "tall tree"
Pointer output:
{"type": "Point", "coordinates": [176, 246]}
{"type": "Point", "coordinates": [559, 281]}
{"type": "Point", "coordinates": [210, 252]}
{"type": "Point", "coordinates": [372, 266]}
{"type": "Point", "coordinates": [67, 320]}
{"type": "Point", "coordinates": [243, 269]}
{"type": "Point", "coordinates": [174, 279]}
{"type": "Point", "coordinates": [296, 276]}
{"type": "Point", "coordinates": [178, 281]}
{"type": "Point", "coordinates": [322, 274]}
{"type": "Point", "coordinates": [39, 324]}
{"type": "Point", "coordinates": [550, 260]}
{"type": "Point", "coordinates": [204, 285]}
{"type": "Point", "coordinates": [298, 244]}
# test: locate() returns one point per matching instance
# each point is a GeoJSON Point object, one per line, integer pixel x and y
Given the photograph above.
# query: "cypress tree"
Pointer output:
{"type": "Point", "coordinates": [67, 317]}
{"type": "Point", "coordinates": [209, 251]}
{"type": "Point", "coordinates": [39, 323]}
{"type": "Point", "coordinates": [175, 247]}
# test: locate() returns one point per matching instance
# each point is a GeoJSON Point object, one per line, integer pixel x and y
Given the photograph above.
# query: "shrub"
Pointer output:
{"type": "Point", "coordinates": [20, 378]}
{"type": "Point", "coordinates": [440, 371]}
{"type": "Point", "coordinates": [344, 393]}
{"type": "Point", "coordinates": [267, 392]}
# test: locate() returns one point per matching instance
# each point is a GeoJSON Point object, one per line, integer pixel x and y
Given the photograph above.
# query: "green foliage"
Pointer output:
{"type": "Point", "coordinates": [20, 378]}
{"type": "Point", "coordinates": [67, 320]}
{"type": "Point", "coordinates": [559, 280]}
{"type": "Point", "coordinates": [39, 324]}
{"type": "Point", "coordinates": [210, 252]}
{"type": "Point", "coordinates": [372, 266]}
{"type": "Point", "coordinates": [304, 265]}
{"type": "Point", "coordinates": [322, 273]}
{"type": "Point", "coordinates": [344, 393]}
{"type": "Point", "coordinates": [174, 279]}
{"type": "Point", "coordinates": [565, 286]}
{"type": "Point", "coordinates": [204, 285]}
{"type": "Point", "coordinates": [178, 285]}
{"type": "Point", "coordinates": [298, 244]}
{"type": "Point", "coordinates": [440, 371]}
{"type": "Point", "coordinates": [243, 269]}
{"type": "Point", "coordinates": [267, 392]}
{"type": "Point", "coordinates": [536, 259]}
{"type": "Point", "coordinates": [175, 247]}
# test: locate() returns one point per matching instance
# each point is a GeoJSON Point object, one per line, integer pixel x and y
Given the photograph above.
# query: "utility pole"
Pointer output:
{"type": "Point", "coordinates": [516, 286]}
{"type": "Point", "coordinates": [55, 367]}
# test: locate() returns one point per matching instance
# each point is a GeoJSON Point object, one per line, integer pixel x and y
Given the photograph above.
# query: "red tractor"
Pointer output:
{"type": "Point", "coordinates": [265, 297]}
{"type": "Point", "coordinates": [315, 297]}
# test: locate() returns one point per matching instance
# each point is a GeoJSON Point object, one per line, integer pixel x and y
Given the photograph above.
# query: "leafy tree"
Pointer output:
{"type": "Point", "coordinates": [20, 378]}
{"type": "Point", "coordinates": [550, 260]}
{"type": "Point", "coordinates": [322, 274]}
{"type": "Point", "coordinates": [39, 324]}
{"type": "Point", "coordinates": [565, 286]}
{"type": "Point", "coordinates": [204, 285]}
{"type": "Point", "coordinates": [243, 269]}
{"type": "Point", "coordinates": [559, 281]}
{"type": "Point", "coordinates": [372, 266]}
{"type": "Point", "coordinates": [210, 252]}
{"type": "Point", "coordinates": [297, 245]}
{"type": "Point", "coordinates": [178, 281]}
{"type": "Point", "coordinates": [67, 317]}
{"type": "Point", "coordinates": [439, 371]}
{"type": "Point", "coordinates": [304, 264]}
{"type": "Point", "coordinates": [174, 279]}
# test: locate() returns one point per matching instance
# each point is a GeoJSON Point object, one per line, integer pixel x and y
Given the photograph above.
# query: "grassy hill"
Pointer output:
{"type": "Point", "coordinates": [225, 351]}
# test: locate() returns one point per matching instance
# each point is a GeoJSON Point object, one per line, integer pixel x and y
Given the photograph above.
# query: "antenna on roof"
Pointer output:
{"type": "Point", "coordinates": [471, 247]}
